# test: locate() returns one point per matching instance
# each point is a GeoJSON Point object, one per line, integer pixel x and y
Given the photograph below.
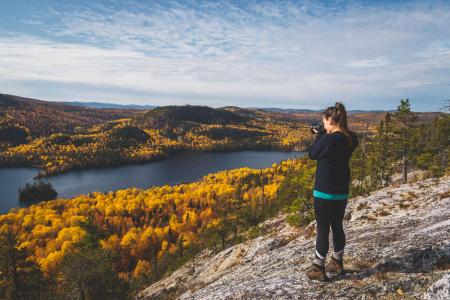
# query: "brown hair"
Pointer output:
{"type": "Point", "coordinates": [338, 116]}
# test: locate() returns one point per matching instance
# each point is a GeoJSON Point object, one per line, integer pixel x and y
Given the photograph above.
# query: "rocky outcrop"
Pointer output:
{"type": "Point", "coordinates": [398, 246]}
{"type": "Point", "coordinates": [440, 289]}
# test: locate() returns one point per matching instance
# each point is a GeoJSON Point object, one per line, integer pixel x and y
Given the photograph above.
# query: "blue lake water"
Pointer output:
{"type": "Point", "coordinates": [181, 167]}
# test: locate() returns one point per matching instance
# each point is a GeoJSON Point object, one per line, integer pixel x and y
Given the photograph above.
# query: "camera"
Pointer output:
{"type": "Point", "coordinates": [316, 128]}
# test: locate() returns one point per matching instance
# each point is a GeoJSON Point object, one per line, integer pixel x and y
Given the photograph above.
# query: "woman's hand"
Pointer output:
{"type": "Point", "coordinates": [316, 131]}
{"type": "Point", "coordinates": [319, 128]}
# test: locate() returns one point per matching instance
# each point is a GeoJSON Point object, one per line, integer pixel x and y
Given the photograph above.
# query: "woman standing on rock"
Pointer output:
{"type": "Point", "coordinates": [332, 148]}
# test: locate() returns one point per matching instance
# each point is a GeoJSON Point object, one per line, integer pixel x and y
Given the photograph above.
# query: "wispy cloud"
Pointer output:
{"type": "Point", "coordinates": [368, 63]}
{"type": "Point", "coordinates": [437, 48]}
{"type": "Point", "coordinates": [281, 53]}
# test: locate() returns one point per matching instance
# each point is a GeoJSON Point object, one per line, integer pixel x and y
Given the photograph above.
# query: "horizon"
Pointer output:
{"type": "Point", "coordinates": [283, 54]}
{"type": "Point", "coordinates": [130, 105]}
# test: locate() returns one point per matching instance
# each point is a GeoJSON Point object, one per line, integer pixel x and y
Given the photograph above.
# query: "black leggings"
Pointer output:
{"type": "Point", "coordinates": [329, 213]}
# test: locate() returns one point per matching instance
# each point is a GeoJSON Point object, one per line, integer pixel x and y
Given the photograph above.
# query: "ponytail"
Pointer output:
{"type": "Point", "coordinates": [338, 116]}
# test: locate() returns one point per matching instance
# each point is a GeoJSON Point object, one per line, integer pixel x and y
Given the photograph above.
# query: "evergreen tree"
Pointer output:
{"type": "Point", "coordinates": [385, 149]}
{"type": "Point", "coordinates": [88, 271]}
{"type": "Point", "coordinates": [359, 159]}
{"type": "Point", "coordinates": [405, 120]}
{"type": "Point", "coordinates": [19, 278]}
{"type": "Point", "coordinates": [37, 191]}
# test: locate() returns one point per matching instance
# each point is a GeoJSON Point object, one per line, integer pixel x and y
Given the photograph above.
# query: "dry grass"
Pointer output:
{"type": "Point", "coordinates": [371, 217]}
{"type": "Point", "coordinates": [421, 185]}
{"type": "Point", "coordinates": [404, 204]}
{"type": "Point", "coordinates": [408, 196]}
{"type": "Point", "coordinates": [361, 264]}
{"type": "Point", "coordinates": [384, 212]}
{"type": "Point", "coordinates": [381, 276]}
{"type": "Point", "coordinates": [362, 206]}
{"type": "Point", "coordinates": [285, 240]}
{"type": "Point", "coordinates": [356, 283]}
{"type": "Point", "coordinates": [444, 195]}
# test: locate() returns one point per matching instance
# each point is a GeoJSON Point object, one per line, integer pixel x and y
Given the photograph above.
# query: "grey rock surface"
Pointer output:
{"type": "Point", "coordinates": [398, 246]}
{"type": "Point", "coordinates": [440, 289]}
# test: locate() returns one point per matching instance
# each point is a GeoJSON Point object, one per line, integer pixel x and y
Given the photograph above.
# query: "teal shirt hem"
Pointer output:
{"type": "Point", "coordinates": [329, 196]}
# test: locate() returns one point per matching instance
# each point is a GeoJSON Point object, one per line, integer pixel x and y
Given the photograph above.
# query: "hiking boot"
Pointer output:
{"type": "Point", "coordinates": [316, 272]}
{"type": "Point", "coordinates": [335, 266]}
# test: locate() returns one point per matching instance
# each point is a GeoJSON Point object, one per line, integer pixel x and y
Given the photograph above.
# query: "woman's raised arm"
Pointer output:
{"type": "Point", "coordinates": [320, 147]}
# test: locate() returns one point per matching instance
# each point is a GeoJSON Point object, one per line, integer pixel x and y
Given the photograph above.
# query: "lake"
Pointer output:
{"type": "Point", "coordinates": [181, 167]}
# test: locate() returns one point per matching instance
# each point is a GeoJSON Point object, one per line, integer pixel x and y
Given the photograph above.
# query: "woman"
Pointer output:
{"type": "Point", "coordinates": [332, 149]}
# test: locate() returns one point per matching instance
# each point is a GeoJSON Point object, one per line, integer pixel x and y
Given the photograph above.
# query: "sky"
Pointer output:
{"type": "Point", "coordinates": [287, 54]}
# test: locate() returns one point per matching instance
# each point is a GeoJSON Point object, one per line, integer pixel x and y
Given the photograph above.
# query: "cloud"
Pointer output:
{"type": "Point", "coordinates": [254, 54]}
{"type": "Point", "coordinates": [437, 48]}
{"type": "Point", "coordinates": [368, 63]}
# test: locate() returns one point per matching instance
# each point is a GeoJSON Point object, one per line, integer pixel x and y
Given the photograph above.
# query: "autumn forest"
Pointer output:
{"type": "Point", "coordinates": [49, 249]}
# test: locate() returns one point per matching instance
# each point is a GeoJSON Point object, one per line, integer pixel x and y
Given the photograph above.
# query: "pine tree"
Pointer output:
{"type": "Point", "coordinates": [87, 272]}
{"type": "Point", "coordinates": [19, 278]}
{"type": "Point", "coordinates": [386, 153]}
{"type": "Point", "coordinates": [405, 120]}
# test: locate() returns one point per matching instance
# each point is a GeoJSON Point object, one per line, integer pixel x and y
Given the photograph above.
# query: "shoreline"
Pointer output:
{"type": "Point", "coordinates": [63, 194]}
{"type": "Point", "coordinates": [42, 175]}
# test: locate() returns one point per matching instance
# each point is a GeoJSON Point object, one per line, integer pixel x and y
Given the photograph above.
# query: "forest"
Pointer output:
{"type": "Point", "coordinates": [65, 247]}
{"type": "Point", "coordinates": [111, 137]}
{"type": "Point", "coordinates": [140, 234]}
{"type": "Point", "coordinates": [401, 145]}
{"type": "Point", "coordinates": [58, 137]}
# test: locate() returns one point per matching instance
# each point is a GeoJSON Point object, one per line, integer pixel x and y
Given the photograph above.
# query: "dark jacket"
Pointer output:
{"type": "Point", "coordinates": [332, 155]}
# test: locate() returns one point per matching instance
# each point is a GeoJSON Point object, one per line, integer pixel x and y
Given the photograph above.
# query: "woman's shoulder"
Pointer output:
{"type": "Point", "coordinates": [339, 135]}
{"type": "Point", "coordinates": [336, 138]}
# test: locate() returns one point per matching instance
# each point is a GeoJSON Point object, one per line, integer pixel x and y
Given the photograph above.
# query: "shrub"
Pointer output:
{"type": "Point", "coordinates": [294, 220]}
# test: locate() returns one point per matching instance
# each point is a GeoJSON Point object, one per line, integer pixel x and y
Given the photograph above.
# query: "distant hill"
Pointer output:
{"type": "Point", "coordinates": [284, 110]}
{"type": "Point", "coordinates": [177, 114]}
{"type": "Point", "coordinates": [300, 110]}
{"type": "Point", "coordinates": [60, 137]}
{"type": "Point", "coordinates": [230, 108]}
{"type": "Point", "coordinates": [110, 105]}
{"type": "Point", "coordinates": [43, 118]}
{"type": "Point", "coordinates": [46, 117]}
